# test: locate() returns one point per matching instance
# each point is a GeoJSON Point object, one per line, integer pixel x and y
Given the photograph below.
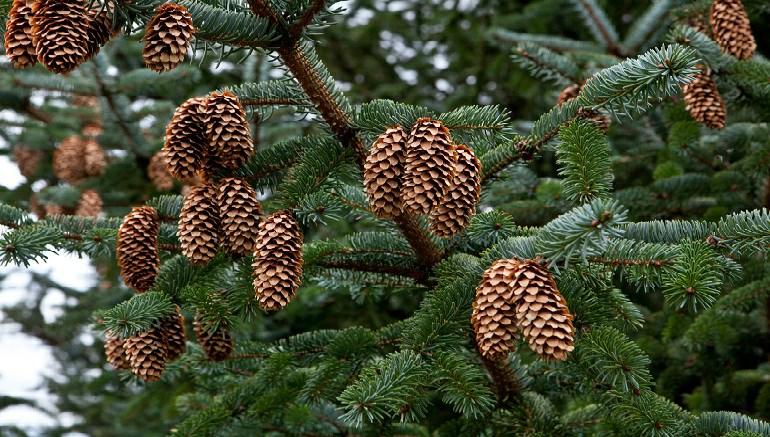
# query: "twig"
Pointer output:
{"type": "Point", "coordinates": [304, 21]}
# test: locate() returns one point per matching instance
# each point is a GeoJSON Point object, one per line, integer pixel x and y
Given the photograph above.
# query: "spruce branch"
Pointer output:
{"type": "Point", "coordinates": [600, 26]}
{"type": "Point", "coordinates": [296, 29]}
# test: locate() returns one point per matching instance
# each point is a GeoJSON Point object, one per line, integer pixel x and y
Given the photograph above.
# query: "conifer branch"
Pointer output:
{"type": "Point", "coordinates": [310, 13]}
{"type": "Point", "coordinates": [505, 383]}
{"type": "Point", "coordinates": [417, 275]}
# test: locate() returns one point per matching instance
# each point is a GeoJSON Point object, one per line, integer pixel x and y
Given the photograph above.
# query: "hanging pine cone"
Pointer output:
{"type": "Point", "coordinates": [90, 204]}
{"type": "Point", "coordinates": [568, 93]}
{"type": "Point", "coordinates": [95, 158]}
{"type": "Point", "coordinates": [68, 162]}
{"type": "Point", "coordinates": [172, 329]}
{"type": "Point", "coordinates": [542, 315]}
{"type": "Point", "coordinates": [239, 210]}
{"type": "Point", "coordinates": [99, 30]}
{"type": "Point", "coordinates": [116, 355]}
{"type": "Point", "coordinates": [277, 260]}
{"type": "Point", "coordinates": [428, 167]}
{"type": "Point", "coordinates": [138, 248]}
{"type": "Point", "coordinates": [157, 172]}
{"type": "Point", "coordinates": [454, 212]}
{"type": "Point", "coordinates": [732, 29]}
{"type": "Point", "coordinates": [703, 101]}
{"type": "Point", "coordinates": [18, 35]}
{"type": "Point", "coordinates": [28, 160]}
{"type": "Point", "coordinates": [227, 130]}
{"type": "Point", "coordinates": [382, 172]}
{"type": "Point", "coordinates": [147, 354]}
{"type": "Point", "coordinates": [493, 317]}
{"type": "Point", "coordinates": [59, 29]}
{"type": "Point", "coordinates": [185, 145]}
{"type": "Point", "coordinates": [217, 343]}
{"type": "Point", "coordinates": [199, 224]}
{"type": "Point", "coordinates": [167, 37]}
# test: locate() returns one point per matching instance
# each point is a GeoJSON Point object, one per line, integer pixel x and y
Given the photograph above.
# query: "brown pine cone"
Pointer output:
{"type": "Point", "coordinates": [598, 118]}
{"type": "Point", "coordinates": [428, 167]}
{"type": "Point", "coordinates": [95, 158]}
{"type": "Point", "coordinates": [227, 130]}
{"type": "Point", "coordinates": [542, 315]}
{"type": "Point", "coordinates": [382, 172]}
{"type": "Point", "coordinates": [68, 162]}
{"type": "Point", "coordinates": [147, 354]}
{"type": "Point", "coordinates": [90, 204]}
{"type": "Point", "coordinates": [157, 172]}
{"type": "Point", "coordinates": [703, 101]}
{"type": "Point", "coordinates": [172, 328]}
{"type": "Point", "coordinates": [493, 317]}
{"type": "Point", "coordinates": [138, 248]}
{"type": "Point", "coordinates": [60, 34]}
{"type": "Point", "coordinates": [99, 29]}
{"type": "Point", "coordinates": [199, 224]}
{"type": "Point", "coordinates": [167, 37]}
{"type": "Point", "coordinates": [239, 210]}
{"type": "Point", "coordinates": [217, 343]}
{"type": "Point", "coordinates": [186, 145]}
{"type": "Point", "coordinates": [454, 212]}
{"type": "Point", "coordinates": [116, 355]}
{"type": "Point", "coordinates": [568, 93]}
{"type": "Point", "coordinates": [28, 160]}
{"type": "Point", "coordinates": [277, 260]}
{"type": "Point", "coordinates": [732, 29]}
{"type": "Point", "coordinates": [18, 35]}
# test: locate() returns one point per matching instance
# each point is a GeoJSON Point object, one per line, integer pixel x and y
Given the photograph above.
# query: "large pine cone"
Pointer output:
{"type": "Point", "coordinates": [382, 172]}
{"type": "Point", "coordinates": [138, 248]}
{"type": "Point", "coordinates": [68, 160]}
{"type": "Point", "coordinates": [494, 316]}
{"type": "Point", "coordinates": [172, 329]}
{"type": "Point", "coordinates": [703, 101]}
{"type": "Point", "coordinates": [199, 224]}
{"type": "Point", "coordinates": [185, 147]}
{"type": "Point", "coordinates": [99, 29]}
{"type": "Point", "coordinates": [239, 211]}
{"type": "Point", "coordinates": [116, 355]}
{"type": "Point", "coordinates": [90, 204]}
{"type": "Point", "coordinates": [732, 29]}
{"type": "Point", "coordinates": [60, 34]}
{"type": "Point", "coordinates": [167, 37]}
{"type": "Point", "coordinates": [277, 260]}
{"type": "Point", "coordinates": [217, 343]}
{"type": "Point", "coordinates": [95, 158]}
{"type": "Point", "coordinates": [19, 45]}
{"type": "Point", "coordinates": [227, 131]}
{"type": "Point", "coordinates": [458, 206]}
{"type": "Point", "coordinates": [429, 166]}
{"type": "Point", "coordinates": [157, 172]}
{"type": "Point", "coordinates": [147, 354]}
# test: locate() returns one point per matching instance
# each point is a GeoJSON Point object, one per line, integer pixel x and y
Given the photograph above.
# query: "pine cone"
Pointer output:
{"type": "Point", "coordinates": [493, 317]}
{"type": "Point", "coordinates": [382, 172]}
{"type": "Point", "coordinates": [217, 343]}
{"type": "Point", "coordinates": [239, 211]}
{"type": "Point", "coordinates": [28, 160]}
{"type": "Point", "coordinates": [90, 204]}
{"type": "Point", "coordinates": [92, 130]}
{"type": "Point", "coordinates": [68, 162]}
{"type": "Point", "coordinates": [138, 248]}
{"type": "Point", "coordinates": [99, 30]}
{"type": "Point", "coordinates": [277, 260]}
{"type": "Point", "coordinates": [429, 165]}
{"type": "Point", "coordinates": [18, 35]}
{"type": "Point", "coordinates": [732, 29]}
{"type": "Point", "coordinates": [542, 315]}
{"type": "Point", "coordinates": [185, 145]}
{"type": "Point", "coordinates": [116, 355]}
{"type": "Point", "coordinates": [60, 34]}
{"type": "Point", "coordinates": [227, 130]}
{"type": "Point", "coordinates": [95, 158]}
{"type": "Point", "coordinates": [703, 101]}
{"type": "Point", "coordinates": [568, 93]}
{"type": "Point", "coordinates": [199, 224]}
{"type": "Point", "coordinates": [454, 212]}
{"type": "Point", "coordinates": [167, 37]}
{"type": "Point", "coordinates": [172, 329]}
{"type": "Point", "coordinates": [598, 118]}
{"type": "Point", "coordinates": [157, 172]}
{"type": "Point", "coordinates": [147, 354]}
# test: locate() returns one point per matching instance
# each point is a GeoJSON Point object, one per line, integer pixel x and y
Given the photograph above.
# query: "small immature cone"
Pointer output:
{"type": "Point", "coordinates": [116, 355]}
{"type": "Point", "coordinates": [277, 260]}
{"type": "Point", "coordinates": [454, 212]}
{"type": "Point", "coordinates": [90, 204]}
{"type": "Point", "coordinates": [99, 29]}
{"type": "Point", "coordinates": [28, 160]}
{"type": "Point", "coordinates": [147, 354]}
{"type": "Point", "coordinates": [703, 101]}
{"type": "Point", "coordinates": [542, 315]}
{"type": "Point", "coordinates": [732, 29]}
{"type": "Point", "coordinates": [68, 160]}
{"type": "Point", "coordinates": [18, 35]}
{"type": "Point", "coordinates": [138, 248]}
{"type": "Point", "coordinates": [428, 167]}
{"type": "Point", "coordinates": [60, 34]}
{"type": "Point", "coordinates": [382, 172]}
{"type": "Point", "coordinates": [227, 130]}
{"type": "Point", "coordinates": [217, 343]}
{"type": "Point", "coordinates": [199, 224]}
{"type": "Point", "coordinates": [186, 146]}
{"type": "Point", "coordinates": [493, 317]}
{"type": "Point", "coordinates": [167, 37]}
{"type": "Point", "coordinates": [239, 211]}
{"type": "Point", "coordinates": [172, 328]}
{"type": "Point", "coordinates": [157, 172]}
{"type": "Point", "coordinates": [95, 158]}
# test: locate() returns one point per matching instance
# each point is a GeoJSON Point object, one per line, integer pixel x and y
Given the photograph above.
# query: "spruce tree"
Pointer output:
{"type": "Point", "coordinates": [407, 249]}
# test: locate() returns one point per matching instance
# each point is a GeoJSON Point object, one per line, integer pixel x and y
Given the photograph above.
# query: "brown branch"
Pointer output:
{"type": "Point", "coordinates": [304, 21]}
{"type": "Point", "coordinates": [630, 262]}
{"type": "Point", "coordinates": [107, 94]}
{"type": "Point", "coordinates": [505, 383]}
{"type": "Point", "coordinates": [612, 46]}
{"type": "Point", "coordinates": [36, 113]}
{"type": "Point", "coordinates": [424, 248]}
{"type": "Point", "coordinates": [168, 247]}
{"type": "Point", "coordinates": [269, 102]}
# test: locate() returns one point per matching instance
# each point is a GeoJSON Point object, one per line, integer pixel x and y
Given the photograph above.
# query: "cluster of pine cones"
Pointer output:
{"type": "Point", "coordinates": [520, 297]}
{"type": "Point", "coordinates": [423, 173]}
{"type": "Point", "coordinates": [62, 34]}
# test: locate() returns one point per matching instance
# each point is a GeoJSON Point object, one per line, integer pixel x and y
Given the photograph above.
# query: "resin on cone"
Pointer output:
{"type": "Point", "coordinates": [215, 341]}
{"type": "Point", "coordinates": [494, 316]}
{"type": "Point", "coordinates": [18, 35]}
{"type": "Point", "coordinates": [703, 101]}
{"type": "Point", "coordinates": [542, 315]}
{"type": "Point", "coordinates": [383, 171]}
{"type": "Point", "coordinates": [199, 224]}
{"type": "Point", "coordinates": [138, 248]}
{"type": "Point", "coordinates": [732, 29]}
{"type": "Point", "coordinates": [185, 147]}
{"type": "Point", "coordinates": [172, 329]}
{"type": "Point", "coordinates": [114, 352]}
{"type": "Point", "coordinates": [227, 131]}
{"type": "Point", "coordinates": [60, 34]}
{"type": "Point", "coordinates": [90, 204]}
{"type": "Point", "coordinates": [68, 160]}
{"type": "Point", "coordinates": [147, 354]}
{"type": "Point", "coordinates": [428, 167]}
{"type": "Point", "coordinates": [157, 172]}
{"type": "Point", "coordinates": [454, 212]}
{"type": "Point", "coordinates": [239, 211]}
{"type": "Point", "coordinates": [277, 260]}
{"type": "Point", "coordinates": [167, 37]}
